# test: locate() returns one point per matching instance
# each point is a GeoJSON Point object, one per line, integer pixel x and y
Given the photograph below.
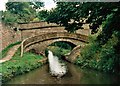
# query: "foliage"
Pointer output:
{"type": "Point", "coordinates": [73, 15]}
{"type": "Point", "coordinates": [37, 5]}
{"type": "Point", "coordinates": [1, 13]}
{"type": "Point", "coordinates": [57, 51]}
{"type": "Point", "coordinates": [110, 26]}
{"type": "Point", "coordinates": [65, 13]}
{"type": "Point", "coordinates": [19, 65]}
{"type": "Point", "coordinates": [21, 12]}
{"type": "Point", "coordinates": [93, 48]}
{"type": "Point", "coordinates": [9, 18]}
{"type": "Point", "coordinates": [102, 58]}
{"type": "Point", "coordinates": [63, 45]}
{"type": "Point", "coordinates": [36, 20]}
{"type": "Point", "coordinates": [61, 48]}
{"type": "Point", "coordinates": [4, 51]}
{"type": "Point", "coordinates": [103, 53]}
{"type": "Point", "coordinates": [43, 14]}
{"type": "Point", "coordinates": [108, 56]}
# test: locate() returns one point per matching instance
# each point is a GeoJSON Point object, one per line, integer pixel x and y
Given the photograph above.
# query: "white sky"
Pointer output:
{"type": "Point", "coordinates": [48, 4]}
{"type": "Point", "coordinates": [2, 4]}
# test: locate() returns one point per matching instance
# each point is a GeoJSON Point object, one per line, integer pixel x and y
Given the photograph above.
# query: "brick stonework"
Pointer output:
{"type": "Point", "coordinates": [41, 42]}
{"type": "Point", "coordinates": [9, 36]}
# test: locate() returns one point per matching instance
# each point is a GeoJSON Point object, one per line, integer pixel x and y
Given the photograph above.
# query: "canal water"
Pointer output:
{"type": "Point", "coordinates": [75, 75]}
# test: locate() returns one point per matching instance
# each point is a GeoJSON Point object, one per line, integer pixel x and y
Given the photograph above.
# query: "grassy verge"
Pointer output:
{"type": "Point", "coordinates": [19, 65]}
{"type": "Point", "coordinates": [4, 51]}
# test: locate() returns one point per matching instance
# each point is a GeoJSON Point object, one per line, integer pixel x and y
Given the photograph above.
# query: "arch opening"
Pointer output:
{"type": "Point", "coordinates": [63, 44]}
{"type": "Point", "coordinates": [41, 48]}
{"type": "Point", "coordinates": [60, 48]}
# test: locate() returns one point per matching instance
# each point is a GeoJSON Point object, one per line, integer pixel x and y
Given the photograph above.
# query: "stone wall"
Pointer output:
{"type": "Point", "coordinates": [44, 27]}
{"type": "Point", "coordinates": [8, 36]}
{"type": "Point", "coordinates": [33, 32]}
{"type": "Point", "coordinates": [74, 54]}
{"type": "Point", "coordinates": [85, 31]}
{"type": "Point", "coordinates": [35, 25]}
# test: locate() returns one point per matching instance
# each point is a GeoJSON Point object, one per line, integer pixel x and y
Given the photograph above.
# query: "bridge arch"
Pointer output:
{"type": "Point", "coordinates": [41, 42]}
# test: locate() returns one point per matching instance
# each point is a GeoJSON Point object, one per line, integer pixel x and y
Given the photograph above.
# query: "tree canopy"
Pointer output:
{"type": "Point", "coordinates": [43, 14]}
{"type": "Point", "coordinates": [72, 15]}
{"type": "Point", "coordinates": [21, 12]}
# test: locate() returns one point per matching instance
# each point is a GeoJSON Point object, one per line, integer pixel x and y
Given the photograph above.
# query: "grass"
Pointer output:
{"type": "Point", "coordinates": [3, 53]}
{"type": "Point", "coordinates": [19, 65]}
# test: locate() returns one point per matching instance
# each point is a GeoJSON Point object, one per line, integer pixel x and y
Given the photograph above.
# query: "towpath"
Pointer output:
{"type": "Point", "coordinates": [10, 53]}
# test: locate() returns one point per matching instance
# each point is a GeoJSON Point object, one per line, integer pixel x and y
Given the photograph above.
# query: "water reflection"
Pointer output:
{"type": "Point", "coordinates": [75, 75]}
{"type": "Point", "coordinates": [56, 67]}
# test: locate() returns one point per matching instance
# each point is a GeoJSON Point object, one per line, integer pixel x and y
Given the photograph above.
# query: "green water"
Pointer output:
{"type": "Point", "coordinates": [75, 75]}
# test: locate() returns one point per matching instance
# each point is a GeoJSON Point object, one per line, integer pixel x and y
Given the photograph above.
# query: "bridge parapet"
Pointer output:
{"type": "Point", "coordinates": [36, 25]}
{"type": "Point", "coordinates": [37, 28]}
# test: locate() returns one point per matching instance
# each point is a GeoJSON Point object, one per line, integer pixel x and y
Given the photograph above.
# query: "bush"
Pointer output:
{"type": "Point", "coordinates": [108, 56]}
{"type": "Point", "coordinates": [91, 49]}
{"type": "Point", "coordinates": [99, 57]}
{"type": "Point", "coordinates": [9, 18]}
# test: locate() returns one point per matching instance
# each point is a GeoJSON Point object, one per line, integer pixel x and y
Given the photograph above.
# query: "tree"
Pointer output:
{"type": "Point", "coordinates": [43, 14]}
{"type": "Point", "coordinates": [9, 18]}
{"type": "Point", "coordinates": [37, 5]}
{"type": "Point", "coordinates": [66, 14]}
{"type": "Point", "coordinates": [25, 12]}
{"type": "Point", "coordinates": [71, 15]}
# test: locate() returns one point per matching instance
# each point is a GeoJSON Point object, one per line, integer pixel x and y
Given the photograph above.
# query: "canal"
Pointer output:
{"type": "Point", "coordinates": [75, 75]}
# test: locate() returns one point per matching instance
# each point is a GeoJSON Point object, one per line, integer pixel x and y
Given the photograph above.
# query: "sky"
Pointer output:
{"type": "Point", "coordinates": [48, 4]}
{"type": "Point", "coordinates": [2, 4]}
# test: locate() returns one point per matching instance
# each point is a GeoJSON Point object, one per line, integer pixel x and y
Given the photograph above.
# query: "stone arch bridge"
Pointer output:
{"type": "Point", "coordinates": [40, 42]}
